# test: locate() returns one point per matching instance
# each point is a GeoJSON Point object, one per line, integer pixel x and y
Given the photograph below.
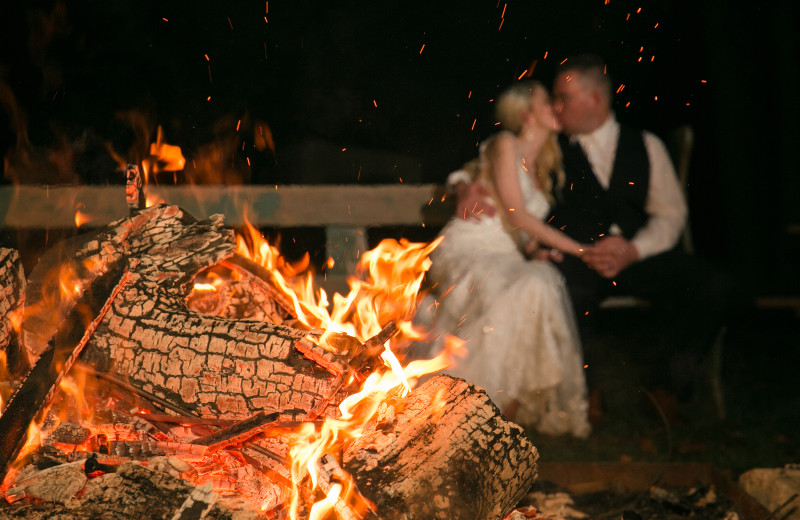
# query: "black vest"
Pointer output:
{"type": "Point", "coordinates": [584, 210]}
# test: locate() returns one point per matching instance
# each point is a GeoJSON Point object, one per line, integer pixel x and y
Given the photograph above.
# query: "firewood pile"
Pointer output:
{"type": "Point", "coordinates": [146, 393]}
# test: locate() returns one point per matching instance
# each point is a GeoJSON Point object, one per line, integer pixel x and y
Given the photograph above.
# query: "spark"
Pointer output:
{"type": "Point", "coordinates": [343, 149]}
{"type": "Point", "coordinates": [238, 125]}
{"type": "Point", "coordinates": [641, 48]}
{"type": "Point", "coordinates": [522, 75]}
{"type": "Point", "coordinates": [655, 98]}
{"type": "Point", "coordinates": [207, 58]}
{"type": "Point", "coordinates": [265, 20]}
{"type": "Point", "coordinates": [165, 19]}
{"type": "Point", "coordinates": [208, 98]}
{"type": "Point", "coordinates": [248, 161]}
{"type": "Point", "coordinates": [501, 23]}
{"type": "Point", "coordinates": [266, 10]}
{"type": "Point", "coordinates": [545, 55]}
{"type": "Point", "coordinates": [627, 104]}
{"type": "Point", "coordinates": [230, 23]}
{"type": "Point", "coordinates": [639, 10]}
{"type": "Point", "coordinates": [652, 58]}
{"type": "Point", "coordinates": [375, 103]}
{"type": "Point", "coordinates": [655, 26]}
{"type": "Point", "coordinates": [564, 61]}
{"type": "Point", "coordinates": [422, 48]}
{"type": "Point", "coordinates": [469, 96]}
{"type": "Point", "coordinates": [473, 124]}
{"type": "Point", "coordinates": [639, 60]}
{"type": "Point", "coordinates": [503, 14]}
{"type": "Point", "coordinates": [703, 81]}
{"type": "Point", "coordinates": [620, 88]}
{"type": "Point", "coordinates": [628, 17]}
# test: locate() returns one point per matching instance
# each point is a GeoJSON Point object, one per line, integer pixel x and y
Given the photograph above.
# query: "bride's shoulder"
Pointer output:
{"type": "Point", "coordinates": [501, 140]}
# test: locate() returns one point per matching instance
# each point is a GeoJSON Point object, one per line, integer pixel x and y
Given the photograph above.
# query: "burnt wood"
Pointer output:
{"type": "Point", "coordinates": [41, 382]}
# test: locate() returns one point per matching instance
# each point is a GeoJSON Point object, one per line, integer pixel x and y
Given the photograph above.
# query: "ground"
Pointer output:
{"type": "Point", "coordinates": [760, 360]}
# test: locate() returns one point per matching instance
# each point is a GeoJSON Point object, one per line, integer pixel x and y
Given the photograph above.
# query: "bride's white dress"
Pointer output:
{"type": "Point", "coordinates": [516, 318]}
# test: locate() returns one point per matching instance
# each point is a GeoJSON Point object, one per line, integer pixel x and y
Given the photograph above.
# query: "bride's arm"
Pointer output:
{"type": "Point", "coordinates": [503, 159]}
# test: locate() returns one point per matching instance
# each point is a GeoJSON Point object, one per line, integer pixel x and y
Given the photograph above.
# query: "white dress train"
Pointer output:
{"type": "Point", "coordinates": [516, 318]}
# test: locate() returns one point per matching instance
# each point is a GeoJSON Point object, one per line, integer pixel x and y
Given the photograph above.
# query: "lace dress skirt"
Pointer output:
{"type": "Point", "coordinates": [515, 316]}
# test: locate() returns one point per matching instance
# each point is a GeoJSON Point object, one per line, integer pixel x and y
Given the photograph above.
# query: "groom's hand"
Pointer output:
{"type": "Point", "coordinates": [610, 255]}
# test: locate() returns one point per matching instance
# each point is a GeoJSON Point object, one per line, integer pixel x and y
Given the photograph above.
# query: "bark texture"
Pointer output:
{"type": "Point", "coordinates": [12, 298]}
{"type": "Point", "coordinates": [443, 452]}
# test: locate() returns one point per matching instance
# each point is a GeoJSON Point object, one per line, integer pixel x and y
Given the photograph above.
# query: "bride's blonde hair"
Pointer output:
{"type": "Point", "coordinates": [510, 109]}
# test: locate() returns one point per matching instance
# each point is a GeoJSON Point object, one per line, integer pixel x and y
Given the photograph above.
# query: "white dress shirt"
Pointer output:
{"type": "Point", "coordinates": [665, 205]}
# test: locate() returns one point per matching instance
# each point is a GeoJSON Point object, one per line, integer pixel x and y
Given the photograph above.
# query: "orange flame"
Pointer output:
{"type": "Point", "coordinates": [163, 157]}
{"type": "Point", "coordinates": [386, 289]}
{"type": "Point", "coordinates": [81, 218]}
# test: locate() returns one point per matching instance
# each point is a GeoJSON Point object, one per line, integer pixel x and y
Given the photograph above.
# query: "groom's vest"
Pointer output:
{"type": "Point", "coordinates": [585, 210]}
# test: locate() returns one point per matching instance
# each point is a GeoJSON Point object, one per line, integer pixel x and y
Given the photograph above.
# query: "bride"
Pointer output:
{"type": "Point", "coordinates": [514, 313]}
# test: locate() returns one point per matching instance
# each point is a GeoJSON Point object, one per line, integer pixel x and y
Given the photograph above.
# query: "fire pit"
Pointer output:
{"type": "Point", "coordinates": [171, 376]}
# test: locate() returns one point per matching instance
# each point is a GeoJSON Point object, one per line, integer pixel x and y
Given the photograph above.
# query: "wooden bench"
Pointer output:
{"type": "Point", "coordinates": [346, 212]}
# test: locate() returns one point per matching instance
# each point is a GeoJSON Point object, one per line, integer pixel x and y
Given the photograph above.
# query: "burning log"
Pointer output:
{"type": "Point", "coordinates": [213, 366]}
{"type": "Point", "coordinates": [442, 451]}
{"type": "Point", "coordinates": [12, 296]}
{"type": "Point", "coordinates": [62, 350]}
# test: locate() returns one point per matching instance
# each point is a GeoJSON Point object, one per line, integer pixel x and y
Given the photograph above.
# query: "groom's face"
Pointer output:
{"type": "Point", "coordinates": [574, 103]}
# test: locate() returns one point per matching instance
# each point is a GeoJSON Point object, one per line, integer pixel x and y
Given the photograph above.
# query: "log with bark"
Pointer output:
{"type": "Point", "coordinates": [443, 451]}
{"type": "Point", "coordinates": [12, 297]}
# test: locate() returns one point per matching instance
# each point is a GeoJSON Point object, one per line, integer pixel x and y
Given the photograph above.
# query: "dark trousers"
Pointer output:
{"type": "Point", "coordinates": [692, 299]}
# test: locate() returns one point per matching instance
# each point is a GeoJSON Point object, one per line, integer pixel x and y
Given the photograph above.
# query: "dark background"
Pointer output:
{"type": "Point", "coordinates": [349, 94]}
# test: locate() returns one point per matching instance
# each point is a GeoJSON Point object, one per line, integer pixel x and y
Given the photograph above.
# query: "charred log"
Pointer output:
{"type": "Point", "coordinates": [444, 451]}
{"type": "Point", "coordinates": [12, 298]}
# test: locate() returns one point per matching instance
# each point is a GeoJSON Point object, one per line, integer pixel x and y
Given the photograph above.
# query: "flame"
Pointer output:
{"type": "Point", "coordinates": [385, 289]}
{"type": "Point", "coordinates": [163, 157]}
{"type": "Point", "coordinates": [153, 200]}
{"type": "Point", "coordinates": [75, 389]}
{"type": "Point", "coordinates": [81, 218]}
{"type": "Point", "coordinates": [392, 275]}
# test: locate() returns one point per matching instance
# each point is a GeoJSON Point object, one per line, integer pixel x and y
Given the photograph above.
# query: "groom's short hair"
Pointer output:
{"type": "Point", "coordinates": [593, 71]}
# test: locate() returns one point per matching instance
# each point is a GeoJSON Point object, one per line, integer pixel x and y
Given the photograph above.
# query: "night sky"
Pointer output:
{"type": "Point", "coordinates": [375, 92]}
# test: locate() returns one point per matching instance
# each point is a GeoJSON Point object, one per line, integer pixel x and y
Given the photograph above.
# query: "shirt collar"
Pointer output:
{"type": "Point", "coordinates": [602, 134]}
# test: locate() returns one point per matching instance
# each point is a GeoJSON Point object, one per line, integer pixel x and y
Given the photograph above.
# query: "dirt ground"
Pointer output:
{"type": "Point", "coordinates": [759, 375]}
